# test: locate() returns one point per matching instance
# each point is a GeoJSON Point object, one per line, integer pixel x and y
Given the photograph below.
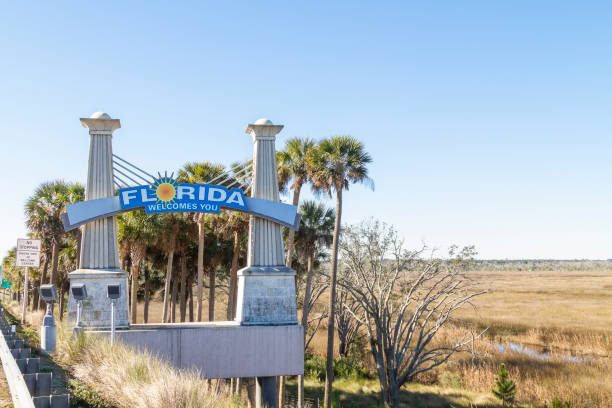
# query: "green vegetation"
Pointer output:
{"type": "Point", "coordinates": [85, 396]}
{"type": "Point", "coordinates": [505, 389]}
{"type": "Point", "coordinates": [347, 368]}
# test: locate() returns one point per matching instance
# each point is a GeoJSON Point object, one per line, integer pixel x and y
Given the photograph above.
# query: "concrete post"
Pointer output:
{"type": "Point", "coordinates": [99, 253]}
{"type": "Point", "coordinates": [48, 332]}
{"type": "Point", "coordinates": [266, 287]}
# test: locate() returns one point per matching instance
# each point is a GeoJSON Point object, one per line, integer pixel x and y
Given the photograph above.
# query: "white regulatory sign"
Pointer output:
{"type": "Point", "coordinates": [31, 245]}
{"type": "Point", "coordinates": [28, 258]}
{"type": "Point", "coordinates": [28, 253]}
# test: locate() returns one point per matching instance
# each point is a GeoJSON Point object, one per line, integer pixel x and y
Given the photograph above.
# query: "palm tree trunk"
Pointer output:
{"type": "Point", "coordinates": [291, 236]}
{"type": "Point", "coordinates": [167, 286]}
{"type": "Point", "coordinates": [201, 237]}
{"type": "Point", "coordinates": [79, 237]}
{"type": "Point", "coordinates": [305, 313]}
{"type": "Point", "coordinates": [134, 297]}
{"type": "Point", "coordinates": [307, 291]}
{"type": "Point", "coordinates": [233, 289]}
{"type": "Point", "coordinates": [61, 304]}
{"type": "Point", "coordinates": [211, 295]}
{"type": "Point", "coordinates": [190, 294]}
{"type": "Point", "coordinates": [183, 292]}
{"type": "Point", "coordinates": [34, 298]}
{"type": "Point", "coordinates": [175, 283]}
{"type": "Point", "coordinates": [145, 318]}
{"type": "Point", "coordinates": [290, 247]}
{"type": "Point", "coordinates": [329, 364]}
{"type": "Point", "coordinates": [43, 277]}
{"type": "Point", "coordinates": [54, 262]}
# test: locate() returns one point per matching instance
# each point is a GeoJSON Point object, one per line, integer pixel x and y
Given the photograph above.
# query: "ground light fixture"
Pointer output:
{"type": "Point", "coordinates": [48, 293]}
{"type": "Point", "coordinates": [113, 292]}
{"type": "Point", "coordinates": [79, 292]}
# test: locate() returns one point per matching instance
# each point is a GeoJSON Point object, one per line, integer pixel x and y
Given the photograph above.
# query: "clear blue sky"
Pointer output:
{"type": "Point", "coordinates": [489, 122]}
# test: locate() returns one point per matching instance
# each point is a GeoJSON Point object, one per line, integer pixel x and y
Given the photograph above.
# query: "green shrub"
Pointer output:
{"type": "Point", "coordinates": [84, 395]}
{"type": "Point", "coordinates": [314, 367]}
{"type": "Point", "coordinates": [350, 368]}
{"type": "Point", "coordinates": [557, 403]}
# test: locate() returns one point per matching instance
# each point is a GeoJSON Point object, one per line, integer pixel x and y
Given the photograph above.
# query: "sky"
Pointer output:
{"type": "Point", "coordinates": [488, 122]}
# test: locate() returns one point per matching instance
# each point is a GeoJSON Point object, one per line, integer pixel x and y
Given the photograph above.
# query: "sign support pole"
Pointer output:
{"type": "Point", "coordinates": [25, 294]}
{"type": "Point", "coordinates": [112, 322]}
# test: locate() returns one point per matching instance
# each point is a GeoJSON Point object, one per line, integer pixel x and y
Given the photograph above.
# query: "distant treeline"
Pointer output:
{"type": "Point", "coordinates": [543, 264]}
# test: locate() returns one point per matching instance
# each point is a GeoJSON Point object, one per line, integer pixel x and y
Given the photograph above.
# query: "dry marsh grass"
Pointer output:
{"type": "Point", "coordinates": [129, 378]}
{"type": "Point", "coordinates": [135, 379]}
{"type": "Point", "coordinates": [561, 313]}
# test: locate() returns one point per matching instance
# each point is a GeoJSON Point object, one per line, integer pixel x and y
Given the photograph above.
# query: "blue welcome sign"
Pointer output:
{"type": "Point", "coordinates": [167, 195]}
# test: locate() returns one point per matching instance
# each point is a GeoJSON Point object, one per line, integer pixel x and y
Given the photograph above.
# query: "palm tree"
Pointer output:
{"type": "Point", "coordinates": [170, 224]}
{"type": "Point", "coordinates": [76, 193]}
{"type": "Point", "coordinates": [137, 228]}
{"type": "Point", "coordinates": [67, 262]}
{"type": "Point", "coordinates": [232, 225]}
{"type": "Point", "coordinates": [315, 232]}
{"type": "Point", "coordinates": [293, 165]}
{"type": "Point", "coordinates": [43, 216]}
{"type": "Point", "coordinates": [201, 172]}
{"type": "Point", "coordinates": [10, 272]}
{"type": "Point", "coordinates": [335, 164]}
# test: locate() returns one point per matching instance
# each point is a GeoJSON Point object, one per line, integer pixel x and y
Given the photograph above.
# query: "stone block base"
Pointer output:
{"type": "Point", "coordinates": [47, 339]}
{"type": "Point", "coordinates": [96, 309]}
{"type": "Point", "coordinates": [266, 296]}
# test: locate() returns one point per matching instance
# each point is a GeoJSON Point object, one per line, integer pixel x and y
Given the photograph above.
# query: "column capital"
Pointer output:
{"type": "Point", "coordinates": [263, 129]}
{"type": "Point", "coordinates": [100, 123]}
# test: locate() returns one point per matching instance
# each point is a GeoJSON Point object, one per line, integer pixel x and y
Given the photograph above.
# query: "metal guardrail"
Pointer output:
{"type": "Point", "coordinates": [29, 388]}
{"type": "Point", "coordinates": [17, 385]}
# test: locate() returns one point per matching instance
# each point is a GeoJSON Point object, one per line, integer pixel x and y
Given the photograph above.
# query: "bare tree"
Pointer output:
{"type": "Point", "coordinates": [348, 328]}
{"type": "Point", "coordinates": [311, 316]}
{"type": "Point", "coordinates": [405, 300]}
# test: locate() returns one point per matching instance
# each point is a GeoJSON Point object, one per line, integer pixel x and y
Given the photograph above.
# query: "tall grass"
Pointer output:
{"type": "Point", "coordinates": [136, 379]}
{"type": "Point", "coordinates": [130, 378]}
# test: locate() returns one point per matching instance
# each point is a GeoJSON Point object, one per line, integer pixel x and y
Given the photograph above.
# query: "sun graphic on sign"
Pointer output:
{"type": "Point", "coordinates": [164, 189]}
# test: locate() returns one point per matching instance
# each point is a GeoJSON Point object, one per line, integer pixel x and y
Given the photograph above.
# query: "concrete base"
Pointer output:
{"type": "Point", "coordinates": [221, 349]}
{"type": "Point", "coordinates": [266, 392]}
{"type": "Point", "coordinates": [96, 309]}
{"type": "Point", "coordinates": [266, 296]}
{"type": "Point", "coordinates": [47, 339]}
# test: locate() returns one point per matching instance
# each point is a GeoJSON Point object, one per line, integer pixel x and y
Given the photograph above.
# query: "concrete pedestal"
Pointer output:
{"type": "Point", "coordinates": [47, 339]}
{"type": "Point", "coordinates": [96, 309]}
{"type": "Point", "coordinates": [267, 296]}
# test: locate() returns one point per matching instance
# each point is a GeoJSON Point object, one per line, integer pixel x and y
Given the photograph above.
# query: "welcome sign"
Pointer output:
{"type": "Point", "coordinates": [167, 195]}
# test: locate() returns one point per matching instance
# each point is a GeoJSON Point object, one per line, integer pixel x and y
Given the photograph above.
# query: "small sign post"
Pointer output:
{"type": "Point", "coordinates": [28, 255]}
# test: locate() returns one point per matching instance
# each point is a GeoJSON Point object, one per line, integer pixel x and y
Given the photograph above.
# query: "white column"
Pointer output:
{"type": "Point", "coordinates": [99, 253]}
{"type": "Point", "coordinates": [266, 287]}
{"type": "Point", "coordinates": [99, 243]}
{"type": "Point", "coordinates": [265, 237]}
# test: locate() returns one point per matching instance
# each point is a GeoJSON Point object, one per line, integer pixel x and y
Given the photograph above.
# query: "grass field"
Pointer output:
{"type": "Point", "coordinates": [560, 322]}
{"type": "Point", "coordinates": [552, 316]}
{"type": "Point", "coordinates": [562, 314]}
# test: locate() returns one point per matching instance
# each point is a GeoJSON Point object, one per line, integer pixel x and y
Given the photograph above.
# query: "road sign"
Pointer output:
{"type": "Point", "coordinates": [27, 258]}
{"type": "Point", "coordinates": [28, 253]}
{"type": "Point", "coordinates": [28, 245]}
